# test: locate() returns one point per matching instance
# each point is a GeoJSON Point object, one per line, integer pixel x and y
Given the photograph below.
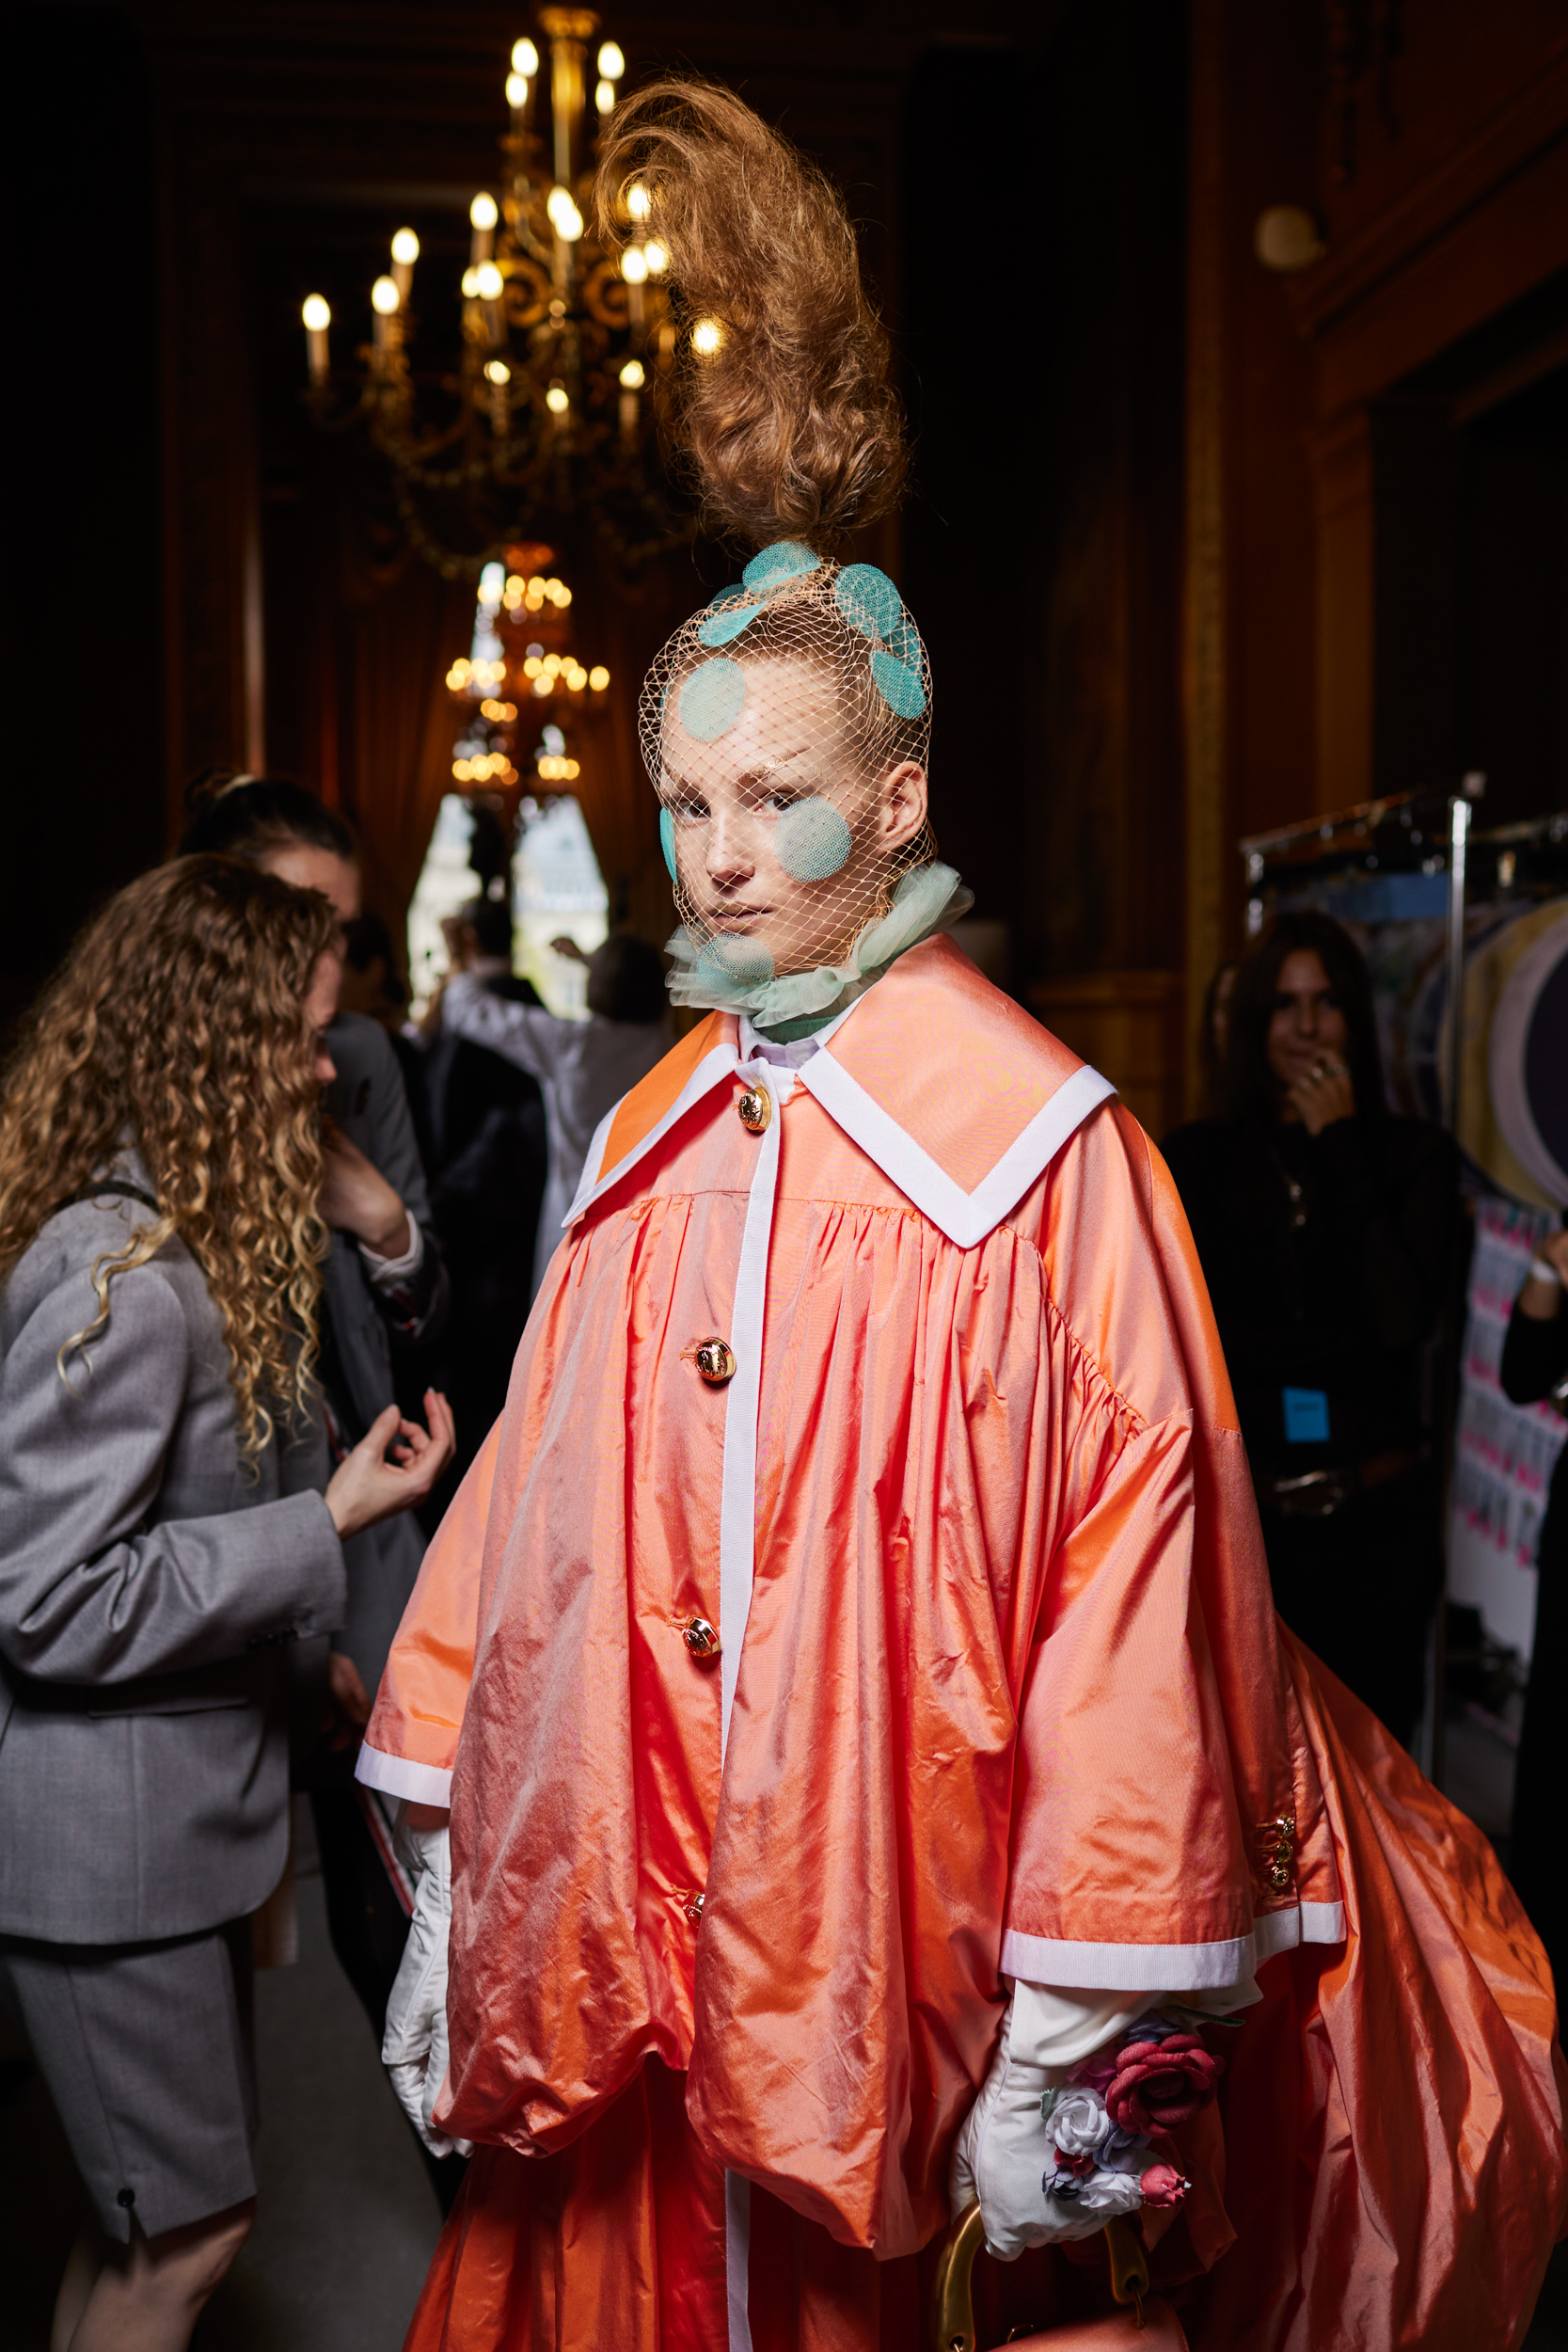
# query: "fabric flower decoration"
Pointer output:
{"type": "Point", "coordinates": [1160, 2085]}
{"type": "Point", "coordinates": [1097, 2071]}
{"type": "Point", "coordinates": [1124, 2152]}
{"type": "Point", "coordinates": [1077, 2166]}
{"type": "Point", "coordinates": [1098, 2192]}
{"type": "Point", "coordinates": [1161, 2184]}
{"type": "Point", "coordinates": [1079, 2127]}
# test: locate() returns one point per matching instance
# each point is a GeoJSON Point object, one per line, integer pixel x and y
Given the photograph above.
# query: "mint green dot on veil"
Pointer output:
{"type": "Point", "coordinates": [711, 699]}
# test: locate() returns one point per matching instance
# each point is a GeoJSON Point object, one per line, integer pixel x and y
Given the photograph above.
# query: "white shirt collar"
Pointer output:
{"type": "Point", "coordinates": [754, 1047]}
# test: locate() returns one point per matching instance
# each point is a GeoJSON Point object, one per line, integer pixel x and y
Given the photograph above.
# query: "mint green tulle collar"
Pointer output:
{"type": "Point", "coordinates": [925, 901]}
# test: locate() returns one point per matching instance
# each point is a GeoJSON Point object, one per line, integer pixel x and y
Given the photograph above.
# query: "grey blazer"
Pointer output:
{"type": "Point", "coordinates": [370, 1103]}
{"type": "Point", "coordinates": [146, 1590]}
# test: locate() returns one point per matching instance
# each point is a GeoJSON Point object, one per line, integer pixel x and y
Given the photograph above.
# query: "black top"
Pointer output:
{"type": "Point", "coordinates": [1327, 1260]}
{"type": "Point", "coordinates": [1535, 1356]}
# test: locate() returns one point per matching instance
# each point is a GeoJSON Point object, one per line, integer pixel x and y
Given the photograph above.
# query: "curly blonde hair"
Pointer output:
{"type": "Point", "coordinates": [177, 1022]}
{"type": "Point", "coordinates": [791, 426]}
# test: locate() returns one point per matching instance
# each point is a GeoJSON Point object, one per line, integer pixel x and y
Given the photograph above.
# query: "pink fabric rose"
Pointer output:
{"type": "Point", "coordinates": [1161, 2184]}
{"type": "Point", "coordinates": [1160, 2085]}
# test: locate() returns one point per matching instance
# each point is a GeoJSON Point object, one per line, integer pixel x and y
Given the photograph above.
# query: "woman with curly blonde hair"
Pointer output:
{"type": "Point", "coordinates": [163, 1534]}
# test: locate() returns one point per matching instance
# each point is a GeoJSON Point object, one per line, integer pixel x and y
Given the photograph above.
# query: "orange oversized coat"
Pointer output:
{"type": "Point", "coordinates": [998, 1693]}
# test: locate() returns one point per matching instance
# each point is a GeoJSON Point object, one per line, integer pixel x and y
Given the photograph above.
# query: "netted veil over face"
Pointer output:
{"type": "Point", "coordinates": [786, 729]}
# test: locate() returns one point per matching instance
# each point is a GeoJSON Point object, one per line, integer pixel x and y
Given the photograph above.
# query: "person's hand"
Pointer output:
{"type": "Point", "coordinates": [356, 1198]}
{"type": "Point", "coordinates": [414, 2048]}
{"type": "Point", "coordinates": [1323, 1095]}
{"type": "Point", "coordinates": [1541, 1297]}
{"type": "Point", "coordinates": [567, 947]}
{"type": "Point", "coordinates": [366, 1487]}
{"type": "Point", "coordinates": [348, 1701]}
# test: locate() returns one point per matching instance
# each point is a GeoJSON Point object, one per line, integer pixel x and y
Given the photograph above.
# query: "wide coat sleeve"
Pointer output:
{"type": "Point", "coordinates": [93, 1587]}
{"type": "Point", "coordinates": [1153, 1745]}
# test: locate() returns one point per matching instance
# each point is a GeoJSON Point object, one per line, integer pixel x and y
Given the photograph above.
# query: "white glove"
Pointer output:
{"type": "Point", "coordinates": [414, 2048]}
{"type": "Point", "coordinates": [1005, 2147]}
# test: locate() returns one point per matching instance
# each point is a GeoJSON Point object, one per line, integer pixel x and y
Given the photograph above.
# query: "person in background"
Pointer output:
{"type": "Point", "coordinates": [169, 1525]}
{"type": "Point", "coordinates": [1535, 1366]}
{"type": "Point", "coordinates": [584, 1067]}
{"type": "Point", "coordinates": [1326, 1228]}
{"type": "Point", "coordinates": [385, 1297]}
{"type": "Point", "coordinates": [489, 1161]}
{"type": "Point", "coordinates": [374, 986]}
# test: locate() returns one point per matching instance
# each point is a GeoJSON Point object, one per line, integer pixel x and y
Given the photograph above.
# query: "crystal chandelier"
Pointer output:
{"type": "Point", "coordinates": [566, 346]}
{"type": "Point", "coordinates": [522, 693]}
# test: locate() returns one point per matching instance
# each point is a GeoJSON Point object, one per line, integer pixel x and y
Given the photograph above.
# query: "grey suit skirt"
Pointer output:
{"type": "Point", "coordinates": [148, 2055]}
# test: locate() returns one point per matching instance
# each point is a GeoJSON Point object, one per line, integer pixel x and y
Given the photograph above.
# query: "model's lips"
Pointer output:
{"type": "Point", "coordinates": [732, 918]}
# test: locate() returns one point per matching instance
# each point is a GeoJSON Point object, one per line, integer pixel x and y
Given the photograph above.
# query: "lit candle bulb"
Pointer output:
{"type": "Point", "coordinates": [525, 59]}
{"type": "Point", "coordinates": [385, 300]}
{"type": "Point", "coordinates": [482, 217]}
{"type": "Point", "coordinates": [317, 316]}
{"type": "Point", "coordinates": [516, 97]}
{"type": "Point", "coordinates": [488, 286]}
{"type": "Point", "coordinates": [406, 252]}
{"type": "Point", "coordinates": [633, 377]}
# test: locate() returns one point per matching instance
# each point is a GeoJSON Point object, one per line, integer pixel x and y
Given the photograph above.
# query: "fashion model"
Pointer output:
{"type": "Point", "coordinates": [876, 1778]}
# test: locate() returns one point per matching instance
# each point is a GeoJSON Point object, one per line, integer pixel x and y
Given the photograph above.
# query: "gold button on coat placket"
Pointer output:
{"type": "Point", "coordinates": [715, 1362]}
{"type": "Point", "coordinates": [755, 1109]}
{"type": "Point", "coordinates": [701, 1638]}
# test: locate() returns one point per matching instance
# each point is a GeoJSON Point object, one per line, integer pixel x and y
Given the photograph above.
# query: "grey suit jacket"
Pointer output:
{"type": "Point", "coordinates": [368, 1102]}
{"type": "Point", "coordinates": [147, 1591]}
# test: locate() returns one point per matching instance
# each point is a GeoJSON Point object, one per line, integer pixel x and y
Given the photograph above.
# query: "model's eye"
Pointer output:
{"type": "Point", "coordinates": [783, 798]}
{"type": "Point", "coordinates": [688, 808]}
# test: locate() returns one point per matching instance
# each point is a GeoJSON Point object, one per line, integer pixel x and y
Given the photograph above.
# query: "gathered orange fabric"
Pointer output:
{"type": "Point", "coordinates": [980, 1546]}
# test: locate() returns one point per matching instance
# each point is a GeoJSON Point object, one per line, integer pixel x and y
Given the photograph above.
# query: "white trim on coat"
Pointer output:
{"type": "Point", "coordinates": [737, 1506]}
{"type": "Point", "coordinates": [965, 1218]}
{"type": "Point", "coordinates": [400, 1776]}
{"type": "Point", "coordinates": [1170, 1967]}
{"type": "Point", "coordinates": [718, 1062]}
{"type": "Point", "coordinates": [738, 2260]}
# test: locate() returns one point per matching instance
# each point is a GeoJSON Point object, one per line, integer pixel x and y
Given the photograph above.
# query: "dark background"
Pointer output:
{"type": "Point", "coordinates": [1197, 548]}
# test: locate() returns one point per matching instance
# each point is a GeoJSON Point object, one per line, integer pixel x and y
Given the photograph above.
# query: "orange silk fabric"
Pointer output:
{"type": "Point", "coordinates": [1010, 1660]}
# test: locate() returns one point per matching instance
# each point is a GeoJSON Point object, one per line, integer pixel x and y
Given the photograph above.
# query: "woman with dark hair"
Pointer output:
{"type": "Point", "coordinates": [1327, 1230]}
{"type": "Point", "coordinates": [165, 1536]}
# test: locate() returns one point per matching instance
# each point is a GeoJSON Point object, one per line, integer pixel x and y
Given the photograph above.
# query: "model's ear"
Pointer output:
{"type": "Point", "coordinates": [900, 805]}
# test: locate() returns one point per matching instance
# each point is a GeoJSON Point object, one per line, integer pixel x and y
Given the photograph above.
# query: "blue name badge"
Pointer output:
{"type": "Point", "coordinates": [1306, 1417]}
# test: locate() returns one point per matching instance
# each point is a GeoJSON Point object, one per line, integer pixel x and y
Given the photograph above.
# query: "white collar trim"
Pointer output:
{"type": "Point", "coordinates": [965, 1218]}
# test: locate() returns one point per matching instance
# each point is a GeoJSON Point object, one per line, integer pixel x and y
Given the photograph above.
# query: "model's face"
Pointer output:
{"type": "Point", "coordinates": [321, 1004]}
{"type": "Point", "coordinates": [309, 868]}
{"type": "Point", "coordinates": [778, 834]}
{"type": "Point", "coordinates": [1306, 1026]}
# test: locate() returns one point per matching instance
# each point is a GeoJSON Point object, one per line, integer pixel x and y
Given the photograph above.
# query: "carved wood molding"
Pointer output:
{"type": "Point", "coordinates": [1497, 253]}
{"type": "Point", "coordinates": [1209, 826]}
{"type": "Point", "coordinates": [1515, 140]}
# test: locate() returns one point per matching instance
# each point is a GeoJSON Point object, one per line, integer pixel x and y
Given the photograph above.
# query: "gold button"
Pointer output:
{"type": "Point", "coordinates": [702, 1639]}
{"type": "Point", "coordinates": [716, 1361]}
{"type": "Point", "coordinates": [755, 1108]}
{"type": "Point", "coordinates": [693, 1908]}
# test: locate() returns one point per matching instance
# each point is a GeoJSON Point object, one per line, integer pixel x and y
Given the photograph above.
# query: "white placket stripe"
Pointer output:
{"type": "Point", "coordinates": [737, 1535]}
{"type": "Point", "coordinates": [738, 1507]}
{"type": "Point", "coordinates": [737, 2259]}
